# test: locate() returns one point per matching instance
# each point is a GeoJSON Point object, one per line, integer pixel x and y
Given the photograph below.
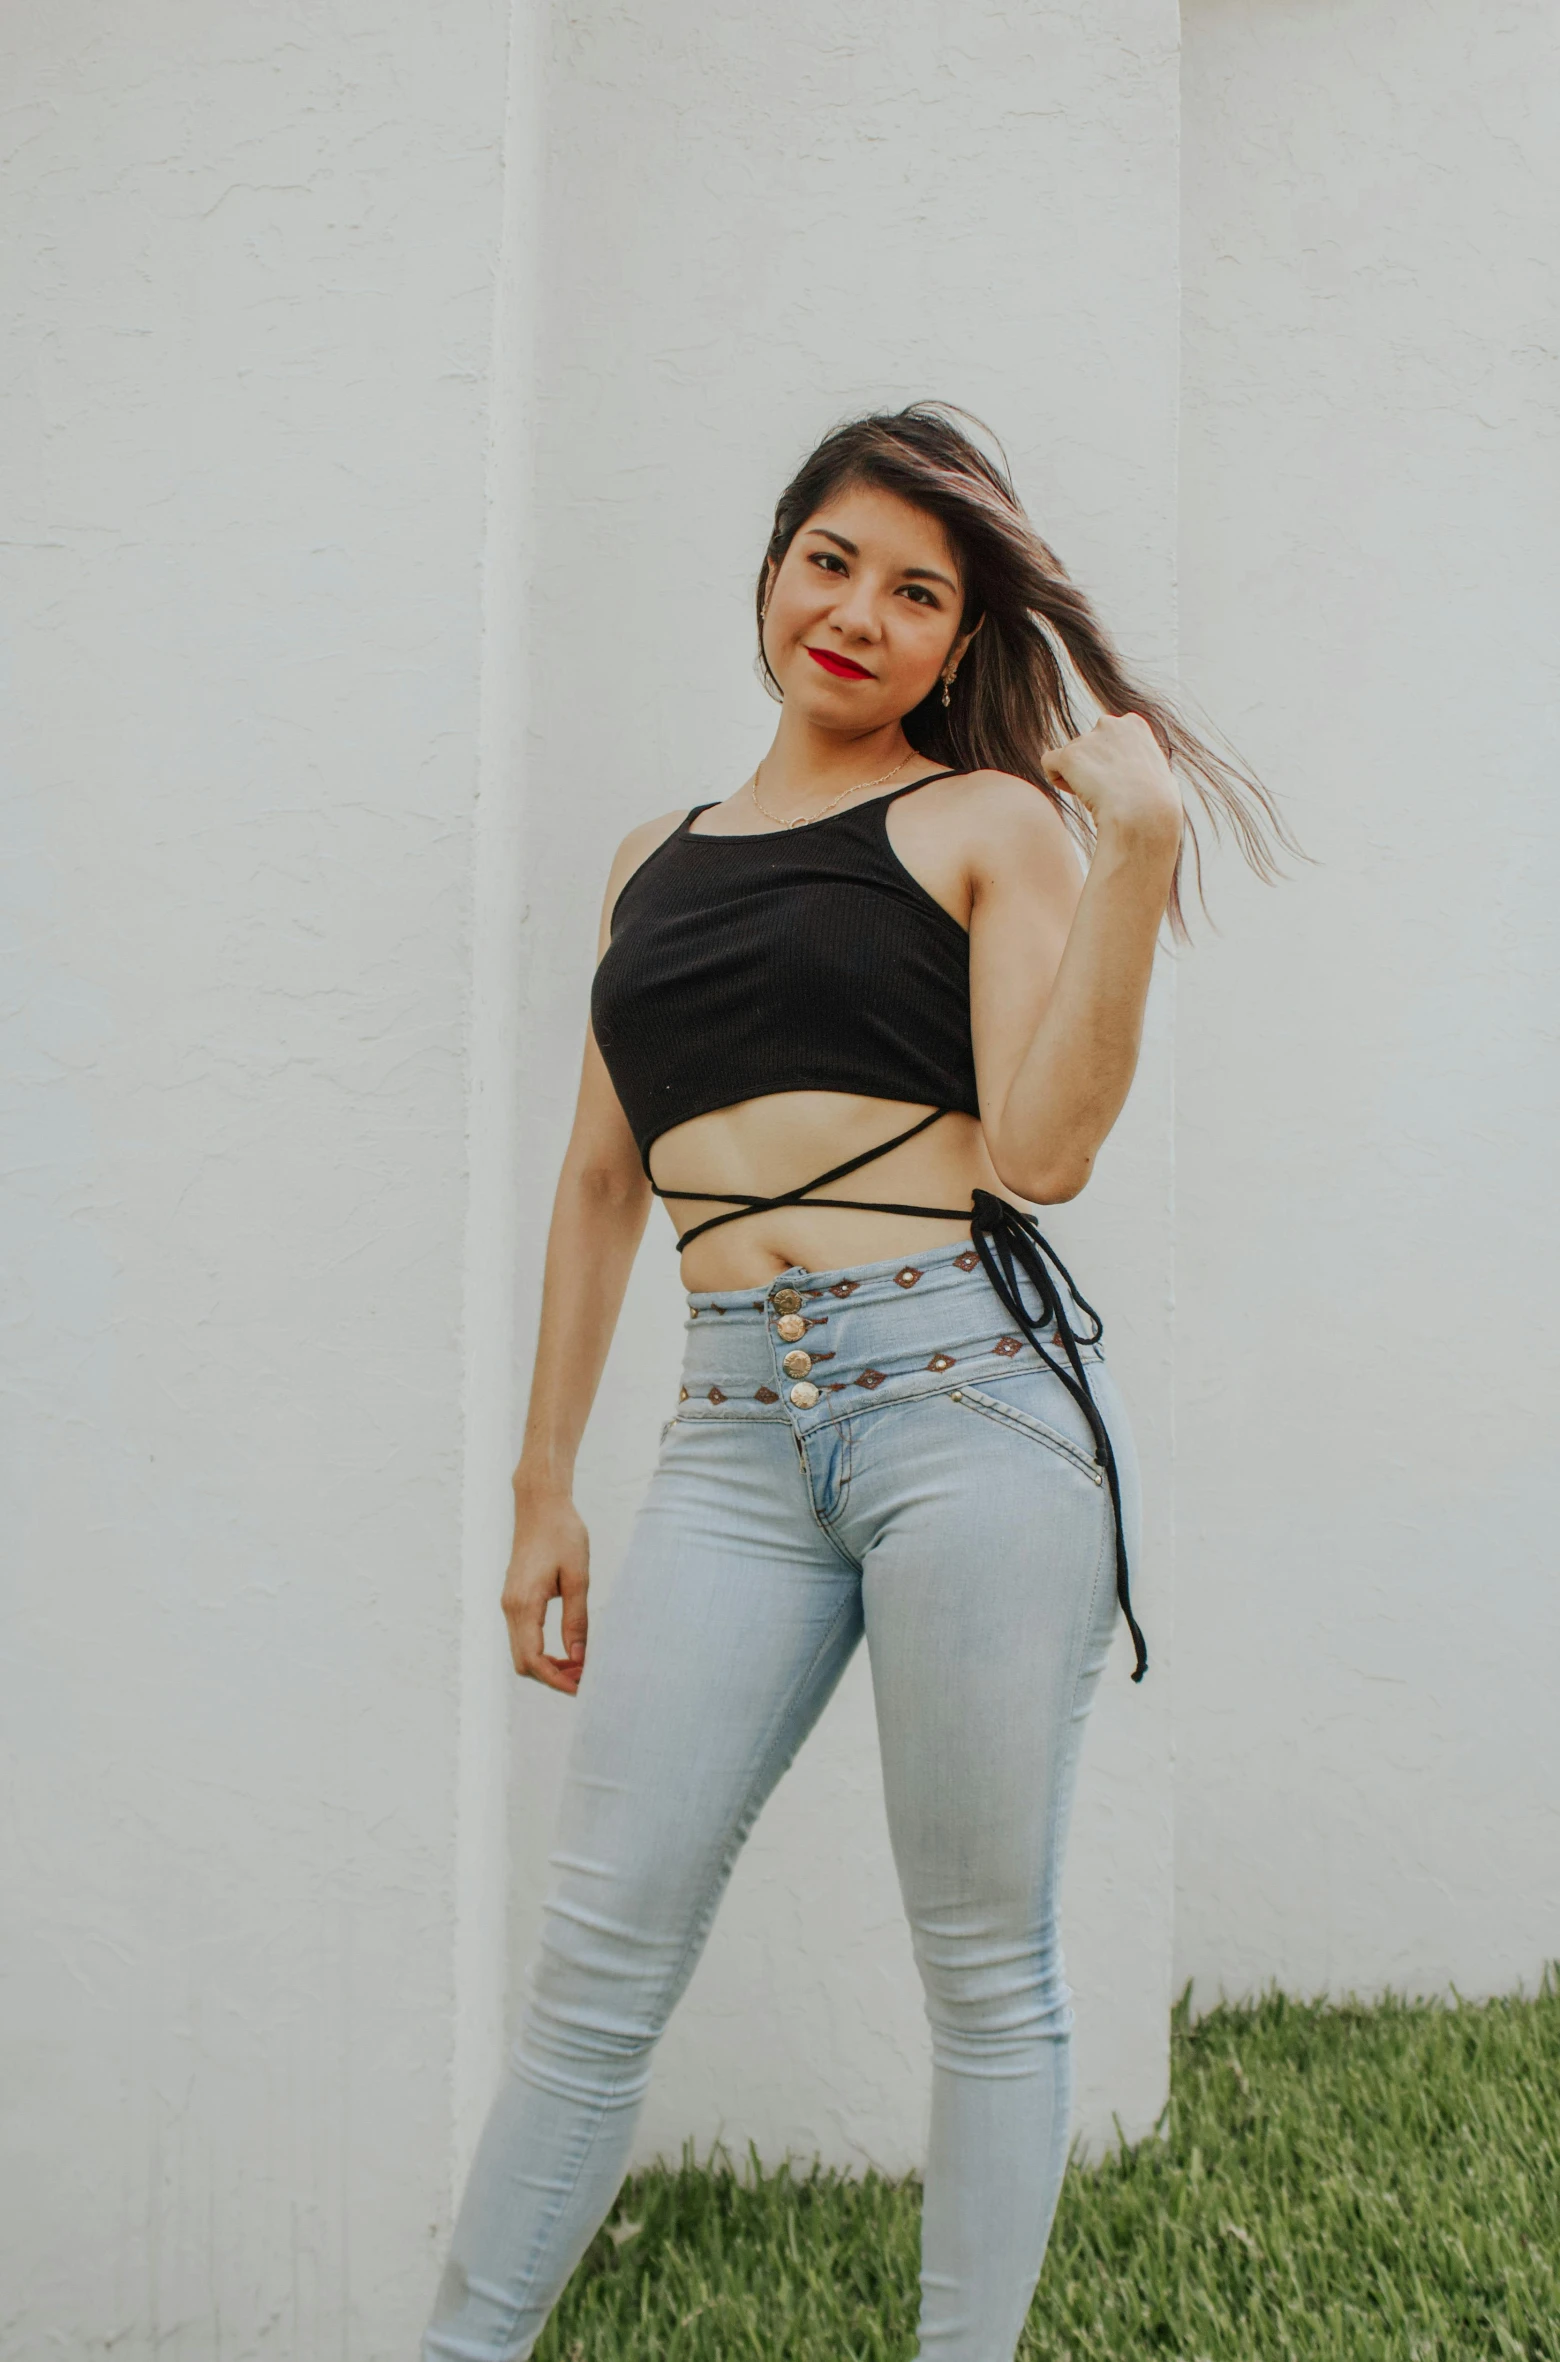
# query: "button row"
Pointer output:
{"type": "Point", "coordinates": [787, 1303]}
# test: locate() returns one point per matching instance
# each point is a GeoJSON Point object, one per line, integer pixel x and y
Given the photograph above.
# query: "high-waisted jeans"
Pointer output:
{"type": "Point", "coordinates": [919, 1476]}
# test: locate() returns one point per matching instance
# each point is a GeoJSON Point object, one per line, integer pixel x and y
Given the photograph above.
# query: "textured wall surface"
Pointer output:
{"type": "Point", "coordinates": [351, 626]}
{"type": "Point", "coordinates": [1368, 1753]}
{"type": "Point", "coordinates": [757, 221]}
{"type": "Point", "coordinates": [250, 300]}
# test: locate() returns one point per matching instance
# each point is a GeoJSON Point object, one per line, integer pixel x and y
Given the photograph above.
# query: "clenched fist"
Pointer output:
{"type": "Point", "coordinates": [1119, 774]}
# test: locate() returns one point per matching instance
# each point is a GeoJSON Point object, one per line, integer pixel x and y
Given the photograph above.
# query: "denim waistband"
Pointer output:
{"type": "Point", "coordinates": [873, 1333]}
{"type": "Point", "coordinates": [816, 1346]}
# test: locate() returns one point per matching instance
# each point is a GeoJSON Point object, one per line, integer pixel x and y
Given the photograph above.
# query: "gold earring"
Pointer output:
{"type": "Point", "coordinates": [948, 679]}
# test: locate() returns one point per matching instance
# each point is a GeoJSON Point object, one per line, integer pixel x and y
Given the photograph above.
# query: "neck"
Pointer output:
{"type": "Point", "coordinates": [806, 765]}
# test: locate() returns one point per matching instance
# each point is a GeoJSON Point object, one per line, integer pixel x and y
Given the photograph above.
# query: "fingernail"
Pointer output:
{"type": "Point", "coordinates": [577, 1651]}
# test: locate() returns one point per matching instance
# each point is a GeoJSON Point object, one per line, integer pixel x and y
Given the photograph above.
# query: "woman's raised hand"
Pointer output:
{"type": "Point", "coordinates": [1118, 772]}
{"type": "Point", "coordinates": [550, 1560]}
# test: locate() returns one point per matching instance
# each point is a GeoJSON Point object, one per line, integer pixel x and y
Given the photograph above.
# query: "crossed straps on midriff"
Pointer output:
{"type": "Point", "coordinates": [742, 1205]}
{"type": "Point", "coordinates": [1008, 1242]}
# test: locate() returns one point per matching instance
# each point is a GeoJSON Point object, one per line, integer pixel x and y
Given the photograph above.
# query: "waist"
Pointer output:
{"type": "Point", "coordinates": [824, 1344]}
{"type": "Point", "coordinates": [866, 1333]}
{"type": "Point", "coordinates": [761, 1148]}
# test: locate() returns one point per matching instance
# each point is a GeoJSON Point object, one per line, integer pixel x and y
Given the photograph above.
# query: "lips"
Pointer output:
{"type": "Point", "coordinates": [840, 666]}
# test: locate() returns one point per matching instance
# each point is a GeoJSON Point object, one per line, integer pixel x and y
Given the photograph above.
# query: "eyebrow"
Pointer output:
{"type": "Point", "coordinates": [910, 573]}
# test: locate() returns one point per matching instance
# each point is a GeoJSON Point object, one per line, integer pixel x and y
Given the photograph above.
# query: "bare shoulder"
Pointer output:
{"type": "Point", "coordinates": [632, 854]}
{"type": "Point", "coordinates": [638, 846]}
{"type": "Point", "coordinates": [1005, 833]}
{"type": "Point", "coordinates": [986, 841]}
{"type": "Point", "coordinates": [1010, 816]}
{"type": "Point", "coordinates": [642, 841]}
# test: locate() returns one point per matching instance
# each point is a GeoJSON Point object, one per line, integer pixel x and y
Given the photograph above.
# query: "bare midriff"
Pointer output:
{"type": "Point", "coordinates": [763, 1147]}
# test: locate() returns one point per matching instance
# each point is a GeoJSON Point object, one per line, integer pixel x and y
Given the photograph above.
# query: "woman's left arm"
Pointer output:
{"type": "Point", "coordinates": [1059, 974]}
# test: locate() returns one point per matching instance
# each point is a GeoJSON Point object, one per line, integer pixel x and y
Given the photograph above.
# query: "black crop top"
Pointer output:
{"type": "Point", "coordinates": [810, 959]}
{"type": "Point", "coordinates": [807, 959]}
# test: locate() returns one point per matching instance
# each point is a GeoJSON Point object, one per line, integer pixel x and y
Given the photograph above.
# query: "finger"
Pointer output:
{"type": "Point", "coordinates": [555, 1673]}
{"type": "Point", "coordinates": [520, 1653]}
{"type": "Point", "coordinates": [576, 1619]}
{"type": "Point", "coordinates": [525, 1619]}
{"type": "Point", "coordinates": [532, 1662]}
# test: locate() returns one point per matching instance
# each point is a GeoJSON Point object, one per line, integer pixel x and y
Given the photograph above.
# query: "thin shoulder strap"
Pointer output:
{"type": "Point", "coordinates": [672, 837]}
{"type": "Point", "coordinates": [927, 779]}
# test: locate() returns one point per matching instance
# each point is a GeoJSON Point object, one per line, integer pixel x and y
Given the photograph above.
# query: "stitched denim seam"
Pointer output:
{"type": "Point", "coordinates": [1061, 1802]}
{"type": "Point", "coordinates": [714, 1416]}
{"type": "Point", "coordinates": [916, 1387]}
{"type": "Point", "coordinates": [729, 1849]}
{"type": "Point", "coordinates": [825, 1524]}
{"type": "Point", "coordinates": [1094, 1592]}
{"type": "Point", "coordinates": [1024, 1423]}
{"type": "Point", "coordinates": [593, 2112]}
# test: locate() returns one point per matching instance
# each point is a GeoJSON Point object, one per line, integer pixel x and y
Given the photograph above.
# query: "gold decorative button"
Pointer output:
{"type": "Point", "coordinates": [797, 1364]}
{"type": "Point", "coordinates": [791, 1326]}
{"type": "Point", "coordinates": [804, 1396]}
{"type": "Point", "coordinates": [786, 1300]}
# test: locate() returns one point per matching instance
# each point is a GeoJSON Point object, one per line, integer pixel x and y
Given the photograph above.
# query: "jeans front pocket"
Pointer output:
{"type": "Point", "coordinates": [1022, 1422]}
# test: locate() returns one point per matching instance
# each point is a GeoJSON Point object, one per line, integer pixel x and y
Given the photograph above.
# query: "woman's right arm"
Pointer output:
{"type": "Point", "coordinates": [598, 1219]}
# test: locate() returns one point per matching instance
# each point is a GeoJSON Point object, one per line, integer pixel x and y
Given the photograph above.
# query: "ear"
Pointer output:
{"type": "Point", "coordinates": [955, 655]}
{"type": "Point", "coordinates": [769, 582]}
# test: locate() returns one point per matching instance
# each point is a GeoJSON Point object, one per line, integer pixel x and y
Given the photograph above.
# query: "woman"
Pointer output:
{"type": "Point", "coordinates": [842, 1024]}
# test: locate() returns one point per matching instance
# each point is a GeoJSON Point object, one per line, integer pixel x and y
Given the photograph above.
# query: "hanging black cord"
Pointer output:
{"type": "Point", "coordinates": [1006, 1240]}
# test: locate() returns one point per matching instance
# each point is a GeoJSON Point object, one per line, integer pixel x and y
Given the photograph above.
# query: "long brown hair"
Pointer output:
{"type": "Point", "coordinates": [1010, 700]}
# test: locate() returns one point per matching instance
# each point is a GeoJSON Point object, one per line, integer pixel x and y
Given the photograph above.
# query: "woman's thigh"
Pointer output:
{"type": "Point", "coordinates": [989, 1598]}
{"type": "Point", "coordinates": [726, 1629]}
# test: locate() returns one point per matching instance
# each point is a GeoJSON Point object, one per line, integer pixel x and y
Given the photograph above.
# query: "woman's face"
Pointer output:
{"type": "Point", "coordinates": [863, 611]}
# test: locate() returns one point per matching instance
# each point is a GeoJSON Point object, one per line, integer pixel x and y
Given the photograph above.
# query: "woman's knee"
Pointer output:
{"type": "Point", "coordinates": [597, 1988]}
{"type": "Point", "coordinates": [993, 1990]}
{"type": "Point", "coordinates": [607, 1975]}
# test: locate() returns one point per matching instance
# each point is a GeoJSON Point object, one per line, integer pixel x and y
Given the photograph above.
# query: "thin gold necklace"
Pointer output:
{"type": "Point", "coordinates": [803, 819]}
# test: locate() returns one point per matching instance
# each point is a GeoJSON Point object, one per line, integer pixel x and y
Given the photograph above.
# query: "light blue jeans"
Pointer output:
{"type": "Point", "coordinates": [920, 1477]}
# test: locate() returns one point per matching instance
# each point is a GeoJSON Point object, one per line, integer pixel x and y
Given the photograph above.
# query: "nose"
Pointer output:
{"type": "Point", "coordinates": [855, 612]}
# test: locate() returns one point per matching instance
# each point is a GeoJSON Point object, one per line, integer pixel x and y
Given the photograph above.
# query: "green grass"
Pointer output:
{"type": "Point", "coordinates": [1333, 2184]}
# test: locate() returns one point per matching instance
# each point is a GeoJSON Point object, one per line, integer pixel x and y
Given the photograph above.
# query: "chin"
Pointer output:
{"type": "Point", "coordinates": [836, 704]}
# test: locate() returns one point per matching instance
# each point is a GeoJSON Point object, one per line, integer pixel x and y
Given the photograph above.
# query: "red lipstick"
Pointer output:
{"type": "Point", "coordinates": [841, 666]}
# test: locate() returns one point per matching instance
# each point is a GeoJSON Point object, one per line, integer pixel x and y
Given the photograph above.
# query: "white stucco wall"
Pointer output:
{"type": "Point", "coordinates": [342, 650]}
{"type": "Point", "coordinates": [249, 289]}
{"type": "Point", "coordinates": [757, 222]}
{"type": "Point", "coordinates": [1368, 1752]}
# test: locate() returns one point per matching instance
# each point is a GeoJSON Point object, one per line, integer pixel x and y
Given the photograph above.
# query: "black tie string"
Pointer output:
{"type": "Point", "coordinates": [742, 1206]}
{"type": "Point", "coordinates": [1008, 1243]}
